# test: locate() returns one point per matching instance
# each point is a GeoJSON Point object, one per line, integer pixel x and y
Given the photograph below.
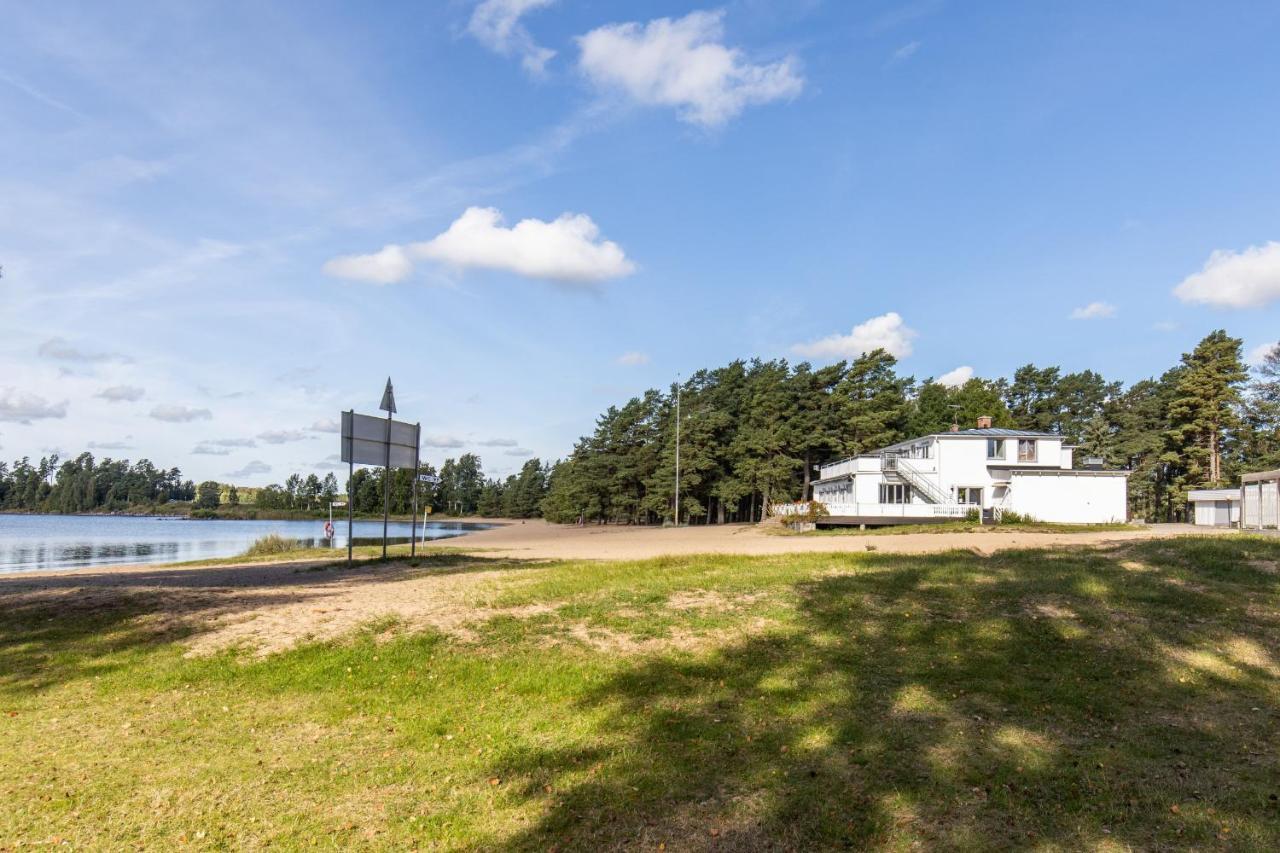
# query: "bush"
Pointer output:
{"type": "Point", "coordinates": [1011, 517]}
{"type": "Point", "coordinates": [272, 543]}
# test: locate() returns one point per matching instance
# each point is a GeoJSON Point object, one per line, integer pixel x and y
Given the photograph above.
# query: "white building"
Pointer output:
{"type": "Point", "coordinates": [1260, 500]}
{"type": "Point", "coordinates": [1214, 507]}
{"type": "Point", "coordinates": [948, 475]}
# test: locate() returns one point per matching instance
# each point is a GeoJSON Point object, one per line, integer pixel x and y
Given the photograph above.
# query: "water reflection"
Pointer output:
{"type": "Point", "coordinates": [30, 542]}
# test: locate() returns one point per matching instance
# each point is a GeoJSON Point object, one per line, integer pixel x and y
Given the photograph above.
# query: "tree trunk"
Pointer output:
{"type": "Point", "coordinates": [808, 466]}
{"type": "Point", "coordinates": [752, 516]}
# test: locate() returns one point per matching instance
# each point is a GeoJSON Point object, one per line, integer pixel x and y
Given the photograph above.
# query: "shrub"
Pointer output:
{"type": "Point", "coordinates": [272, 543]}
{"type": "Point", "coordinates": [1011, 517]}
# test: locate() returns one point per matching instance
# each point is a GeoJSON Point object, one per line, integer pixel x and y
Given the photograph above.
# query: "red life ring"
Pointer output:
{"type": "Point", "coordinates": [328, 530]}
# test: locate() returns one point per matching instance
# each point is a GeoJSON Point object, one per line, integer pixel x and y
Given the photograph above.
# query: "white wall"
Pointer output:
{"type": "Point", "coordinates": [1070, 497]}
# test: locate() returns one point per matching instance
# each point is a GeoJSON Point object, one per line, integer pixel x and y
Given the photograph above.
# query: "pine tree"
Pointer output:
{"type": "Point", "coordinates": [1205, 409]}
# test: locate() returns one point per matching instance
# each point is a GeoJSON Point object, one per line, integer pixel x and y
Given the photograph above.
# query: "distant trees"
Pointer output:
{"type": "Point", "coordinates": [84, 484]}
{"type": "Point", "coordinates": [208, 495]}
{"type": "Point", "coordinates": [751, 432]}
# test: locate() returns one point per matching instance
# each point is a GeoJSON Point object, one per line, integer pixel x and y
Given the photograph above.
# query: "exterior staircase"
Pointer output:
{"type": "Point", "coordinates": [917, 479]}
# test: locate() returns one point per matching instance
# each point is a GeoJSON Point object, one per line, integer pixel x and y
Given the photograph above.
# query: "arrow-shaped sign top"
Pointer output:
{"type": "Point", "coordinates": [388, 398]}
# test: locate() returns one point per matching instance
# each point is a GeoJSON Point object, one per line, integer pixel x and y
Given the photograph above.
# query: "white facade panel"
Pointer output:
{"type": "Point", "coordinates": [1070, 497]}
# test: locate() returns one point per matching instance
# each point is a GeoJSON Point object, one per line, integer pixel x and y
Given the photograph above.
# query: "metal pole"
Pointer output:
{"type": "Point", "coordinates": [351, 477]}
{"type": "Point", "coordinates": [386, 489]}
{"type": "Point", "coordinates": [677, 450]}
{"type": "Point", "coordinates": [413, 534]}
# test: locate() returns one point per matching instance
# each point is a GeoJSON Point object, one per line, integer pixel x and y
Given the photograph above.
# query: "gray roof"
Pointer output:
{"type": "Point", "coordinates": [1001, 432]}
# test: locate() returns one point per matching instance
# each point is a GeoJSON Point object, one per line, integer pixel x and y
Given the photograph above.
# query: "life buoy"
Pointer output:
{"type": "Point", "coordinates": [328, 530]}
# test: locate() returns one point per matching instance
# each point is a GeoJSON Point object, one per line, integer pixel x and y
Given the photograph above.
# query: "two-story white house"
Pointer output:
{"type": "Point", "coordinates": [989, 469]}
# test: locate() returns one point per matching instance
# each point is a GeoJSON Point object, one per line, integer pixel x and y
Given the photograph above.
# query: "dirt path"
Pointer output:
{"type": "Point", "coordinates": [273, 606]}
{"type": "Point", "coordinates": [539, 540]}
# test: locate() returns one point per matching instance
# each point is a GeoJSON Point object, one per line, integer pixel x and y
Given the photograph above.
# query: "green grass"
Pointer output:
{"type": "Point", "coordinates": [1060, 699]}
{"type": "Point", "coordinates": [957, 526]}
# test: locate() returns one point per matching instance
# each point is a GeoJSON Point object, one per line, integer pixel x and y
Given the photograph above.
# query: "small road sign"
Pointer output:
{"type": "Point", "coordinates": [429, 478]}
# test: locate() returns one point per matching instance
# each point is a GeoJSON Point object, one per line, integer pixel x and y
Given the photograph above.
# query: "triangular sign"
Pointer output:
{"type": "Point", "coordinates": [388, 398]}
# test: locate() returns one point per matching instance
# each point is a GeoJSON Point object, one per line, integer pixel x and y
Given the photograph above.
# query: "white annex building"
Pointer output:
{"type": "Point", "coordinates": [1214, 507]}
{"type": "Point", "coordinates": [949, 474]}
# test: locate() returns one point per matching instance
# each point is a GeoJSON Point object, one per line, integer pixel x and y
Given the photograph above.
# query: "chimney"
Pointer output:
{"type": "Point", "coordinates": [955, 427]}
{"type": "Point", "coordinates": [984, 422]}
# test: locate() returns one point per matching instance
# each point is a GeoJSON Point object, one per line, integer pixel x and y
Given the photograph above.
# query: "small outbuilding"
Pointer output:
{"type": "Point", "coordinates": [1214, 507]}
{"type": "Point", "coordinates": [1260, 494]}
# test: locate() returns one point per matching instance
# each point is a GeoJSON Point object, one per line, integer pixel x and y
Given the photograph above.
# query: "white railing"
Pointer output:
{"type": "Point", "coordinates": [920, 482]}
{"type": "Point", "coordinates": [884, 510]}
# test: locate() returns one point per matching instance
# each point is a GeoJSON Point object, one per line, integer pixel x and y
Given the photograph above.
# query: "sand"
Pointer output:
{"type": "Point", "coordinates": [538, 540]}
{"type": "Point", "coordinates": [271, 607]}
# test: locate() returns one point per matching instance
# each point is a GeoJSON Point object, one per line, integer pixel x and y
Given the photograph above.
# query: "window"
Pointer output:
{"type": "Point", "coordinates": [995, 448]}
{"type": "Point", "coordinates": [1026, 450]}
{"type": "Point", "coordinates": [895, 493]}
{"type": "Point", "coordinates": [968, 497]}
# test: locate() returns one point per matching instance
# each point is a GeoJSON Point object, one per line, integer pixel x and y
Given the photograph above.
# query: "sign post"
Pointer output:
{"type": "Point", "coordinates": [349, 453]}
{"type": "Point", "coordinates": [387, 405]}
{"type": "Point", "coordinates": [368, 440]}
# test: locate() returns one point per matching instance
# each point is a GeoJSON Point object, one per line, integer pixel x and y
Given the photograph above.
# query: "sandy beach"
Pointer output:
{"type": "Point", "coordinates": [272, 606]}
{"type": "Point", "coordinates": [536, 539]}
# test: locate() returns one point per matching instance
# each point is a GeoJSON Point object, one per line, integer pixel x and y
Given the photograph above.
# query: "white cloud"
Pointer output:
{"type": "Point", "coordinates": [683, 63]}
{"type": "Point", "coordinates": [283, 436]}
{"type": "Point", "coordinates": [887, 332]}
{"type": "Point", "coordinates": [446, 441]}
{"type": "Point", "coordinates": [498, 442]}
{"type": "Point", "coordinates": [387, 266]}
{"type": "Point", "coordinates": [21, 407]}
{"type": "Point", "coordinates": [1094, 311]}
{"type": "Point", "coordinates": [180, 414]}
{"type": "Point", "coordinates": [109, 445]}
{"type": "Point", "coordinates": [565, 250]}
{"type": "Point", "coordinates": [327, 425]}
{"type": "Point", "coordinates": [956, 378]}
{"type": "Point", "coordinates": [255, 467]}
{"type": "Point", "coordinates": [518, 451]}
{"type": "Point", "coordinates": [204, 449]}
{"type": "Point", "coordinates": [632, 359]}
{"type": "Point", "coordinates": [332, 462]}
{"type": "Point", "coordinates": [905, 52]}
{"type": "Point", "coordinates": [122, 393]}
{"type": "Point", "coordinates": [60, 349]}
{"type": "Point", "coordinates": [1259, 353]}
{"type": "Point", "coordinates": [1165, 326]}
{"type": "Point", "coordinates": [1248, 279]}
{"type": "Point", "coordinates": [231, 442]}
{"type": "Point", "coordinates": [496, 25]}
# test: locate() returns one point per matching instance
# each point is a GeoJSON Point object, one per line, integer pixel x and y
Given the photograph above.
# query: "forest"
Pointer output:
{"type": "Point", "coordinates": [752, 432]}
{"type": "Point", "coordinates": [84, 484]}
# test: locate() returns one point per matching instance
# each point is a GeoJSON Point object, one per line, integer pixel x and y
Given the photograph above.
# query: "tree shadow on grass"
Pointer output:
{"type": "Point", "coordinates": [60, 628]}
{"type": "Point", "coordinates": [1025, 700]}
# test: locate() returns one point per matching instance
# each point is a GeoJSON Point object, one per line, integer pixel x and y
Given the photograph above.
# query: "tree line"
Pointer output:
{"type": "Point", "coordinates": [84, 484]}
{"type": "Point", "coordinates": [752, 432]}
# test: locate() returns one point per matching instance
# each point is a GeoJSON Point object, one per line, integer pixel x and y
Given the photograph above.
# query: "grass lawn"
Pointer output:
{"type": "Point", "coordinates": [1027, 700]}
{"type": "Point", "coordinates": [957, 526]}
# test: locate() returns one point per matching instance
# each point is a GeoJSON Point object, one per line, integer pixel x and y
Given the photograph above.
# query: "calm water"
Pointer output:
{"type": "Point", "coordinates": [30, 542]}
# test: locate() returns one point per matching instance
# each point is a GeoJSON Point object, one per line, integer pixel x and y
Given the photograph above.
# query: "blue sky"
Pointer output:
{"type": "Point", "coordinates": [223, 223]}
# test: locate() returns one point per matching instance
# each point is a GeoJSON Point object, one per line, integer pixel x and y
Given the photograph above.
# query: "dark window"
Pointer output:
{"type": "Point", "coordinates": [895, 493]}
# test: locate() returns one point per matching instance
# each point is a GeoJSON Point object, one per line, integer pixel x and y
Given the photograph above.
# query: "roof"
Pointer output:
{"type": "Point", "coordinates": [1001, 432]}
{"type": "Point", "coordinates": [1260, 476]}
{"type": "Point", "coordinates": [1213, 495]}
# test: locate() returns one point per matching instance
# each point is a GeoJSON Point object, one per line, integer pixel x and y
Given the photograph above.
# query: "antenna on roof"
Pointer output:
{"type": "Point", "coordinates": [955, 416]}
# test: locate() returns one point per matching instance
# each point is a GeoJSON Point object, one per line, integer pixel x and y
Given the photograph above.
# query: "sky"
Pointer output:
{"type": "Point", "coordinates": [221, 224]}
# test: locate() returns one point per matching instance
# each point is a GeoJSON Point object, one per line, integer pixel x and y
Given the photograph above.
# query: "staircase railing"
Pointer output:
{"type": "Point", "coordinates": [930, 490]}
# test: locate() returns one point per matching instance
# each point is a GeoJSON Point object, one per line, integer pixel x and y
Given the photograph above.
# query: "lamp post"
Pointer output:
{"type": "Point", "coordinates": [677, 507]}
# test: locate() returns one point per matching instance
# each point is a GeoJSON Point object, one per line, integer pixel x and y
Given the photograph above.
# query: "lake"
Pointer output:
{"type": "Point", "coordinates": [31, 542]}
